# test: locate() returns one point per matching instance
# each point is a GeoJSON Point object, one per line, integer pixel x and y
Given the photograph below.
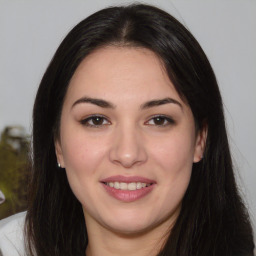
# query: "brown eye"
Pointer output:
{"type": "Point", "coordinates": [95, 121]}
{"type": "Point", "coordinates": [160, 121]}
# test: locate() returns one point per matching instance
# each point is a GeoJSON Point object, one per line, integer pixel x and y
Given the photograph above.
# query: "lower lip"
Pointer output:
{"type": "Point", "coordinates": [128, 195]}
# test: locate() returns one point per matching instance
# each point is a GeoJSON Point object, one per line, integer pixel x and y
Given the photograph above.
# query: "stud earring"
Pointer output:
{"type": "Point", "coordinates": [59, 165]}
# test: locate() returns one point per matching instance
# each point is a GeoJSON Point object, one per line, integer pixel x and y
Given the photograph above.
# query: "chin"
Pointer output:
{"type": "Point", "coordinates": [132, 224]}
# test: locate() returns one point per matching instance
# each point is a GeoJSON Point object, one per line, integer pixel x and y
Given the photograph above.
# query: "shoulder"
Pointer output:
{"type": "Point", "coordinates": [11, 235]}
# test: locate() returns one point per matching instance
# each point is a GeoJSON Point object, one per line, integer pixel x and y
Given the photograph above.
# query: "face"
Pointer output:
{"type": "Point", "coordinates": [127, 141]}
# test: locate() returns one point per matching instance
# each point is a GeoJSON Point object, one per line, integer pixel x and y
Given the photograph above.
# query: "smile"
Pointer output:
{"type": "Point", "coordinates": [127, 186]}
{"type": "Point", "coordinates": [128, 189]}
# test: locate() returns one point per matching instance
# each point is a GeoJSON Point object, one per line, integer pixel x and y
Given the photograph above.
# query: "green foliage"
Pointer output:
{"type": "Point", "coordinates": [14, 170]}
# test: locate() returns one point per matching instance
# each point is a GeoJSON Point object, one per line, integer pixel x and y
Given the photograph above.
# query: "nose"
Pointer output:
{"type": "Point", "coordinates": [128, 148]}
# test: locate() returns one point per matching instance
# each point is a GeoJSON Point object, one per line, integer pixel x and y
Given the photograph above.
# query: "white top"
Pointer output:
{"type": "Point", "coordinates": [11, 235]}
{"type": "Point", "coordinates": [2, 197]}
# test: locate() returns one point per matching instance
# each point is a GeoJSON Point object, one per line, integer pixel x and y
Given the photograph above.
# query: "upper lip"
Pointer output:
{"type": "Point", "coordinates": [120, 178]}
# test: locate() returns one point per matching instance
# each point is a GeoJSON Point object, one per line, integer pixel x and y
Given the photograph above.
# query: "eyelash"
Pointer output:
{"type": "Point", "coordinates": [93, 118]}
{"type": "Point", "coordinates": [167, 121]}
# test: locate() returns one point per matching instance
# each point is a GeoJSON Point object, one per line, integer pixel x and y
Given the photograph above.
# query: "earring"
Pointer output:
{"type": "Point", "coordinates": [59, 165]}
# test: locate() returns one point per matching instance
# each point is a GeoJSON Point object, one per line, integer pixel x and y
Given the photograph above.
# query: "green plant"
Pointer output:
{"type": "Point", "coordinates": [14, 170]}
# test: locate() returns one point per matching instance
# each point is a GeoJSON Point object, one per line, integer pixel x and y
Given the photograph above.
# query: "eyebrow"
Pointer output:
{"type": "Point", "coordinates": [98, 102]}
{"type": "Point", "coordinates": [105, 104]}
{"type": "Point", "coordinates": [154, 103]}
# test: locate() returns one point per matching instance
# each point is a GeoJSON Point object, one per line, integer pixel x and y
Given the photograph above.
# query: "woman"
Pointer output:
{"type": "Point", "coordinates": [130, 152]}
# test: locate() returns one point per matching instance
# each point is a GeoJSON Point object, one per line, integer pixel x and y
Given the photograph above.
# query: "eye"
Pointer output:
{"type": "Point", "coordinates": [160, 120]}
{"type": "Point", "coordinates": [95, 121]}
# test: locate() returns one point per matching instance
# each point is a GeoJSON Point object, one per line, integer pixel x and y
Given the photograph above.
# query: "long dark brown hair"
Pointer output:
{"type": "Point", "coordinates": [213, 219]}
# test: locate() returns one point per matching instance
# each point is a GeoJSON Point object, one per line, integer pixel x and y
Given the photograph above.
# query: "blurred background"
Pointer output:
{"type": "Point", "coordinates": [31, 30]}
{"type": "Point", "coordinates": [14, 170]}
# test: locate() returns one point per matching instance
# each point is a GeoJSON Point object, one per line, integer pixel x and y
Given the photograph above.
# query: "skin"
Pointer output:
{"type": "Point", "coordinates": [127, 139]}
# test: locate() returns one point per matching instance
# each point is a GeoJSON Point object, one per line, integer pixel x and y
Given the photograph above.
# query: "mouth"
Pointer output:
{"type": "Point", "coordinates": [128, 189]}
{"type": "Point", "coordinates": [127, 186]}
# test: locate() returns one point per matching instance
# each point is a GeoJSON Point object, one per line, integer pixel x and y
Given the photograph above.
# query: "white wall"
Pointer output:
{"type": "Point", "coordinates": [31, 30]}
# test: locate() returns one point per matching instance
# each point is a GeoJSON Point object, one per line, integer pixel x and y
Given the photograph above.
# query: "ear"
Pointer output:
{"type": "Point", "coordinates": [59, 154]}
{"type": "Point", "coordinates": [200, 143]}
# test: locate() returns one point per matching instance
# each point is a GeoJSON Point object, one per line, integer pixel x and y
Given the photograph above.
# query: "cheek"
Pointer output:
{"type": "Point", "coordinates": [83, 157]}
{"type": "Point", "coordinates": [174, 159]}
{"type": "Point", "coordinates": [82, 154]}
{"type": "Point", "coordinates": [175, 153]}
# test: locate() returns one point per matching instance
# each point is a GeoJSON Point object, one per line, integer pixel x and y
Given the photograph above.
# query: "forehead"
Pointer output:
{"type": "Point", "coordinates": [121, 71]}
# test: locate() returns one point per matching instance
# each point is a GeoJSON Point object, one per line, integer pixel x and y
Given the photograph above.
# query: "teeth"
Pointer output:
{"type": "Point", "coordinates": [116, 185]}
{"type": "Point", "coordinates": [123, 186]}
{"type": "Point", "coordinates": [132, 186]}
{"type": "Point", "coordinates": [127, 186]}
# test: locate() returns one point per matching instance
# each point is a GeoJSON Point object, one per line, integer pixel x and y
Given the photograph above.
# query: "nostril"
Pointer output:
{"type": "Point", "coordinates": [127, 149]}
